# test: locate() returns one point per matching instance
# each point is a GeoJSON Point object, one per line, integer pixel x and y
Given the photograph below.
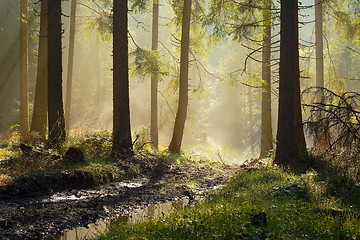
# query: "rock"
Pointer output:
{"type": "Point", "coordinates": [25, 148]}
{"type": "Point", "coordinates": [74, 156]}
{"type": "Point", "coordinates": [190, 195]}
{"type": "Point", "coordinates": [259, 219]}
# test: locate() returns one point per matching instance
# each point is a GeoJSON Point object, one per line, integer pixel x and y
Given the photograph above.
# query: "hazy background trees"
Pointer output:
{"type": "Point", "coordinates": [226, 73]}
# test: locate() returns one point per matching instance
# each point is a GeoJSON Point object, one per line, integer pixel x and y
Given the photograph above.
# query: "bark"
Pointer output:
{"type": "Point", "coordinates": [319, 43]}
{"type": "Point", "coordinates": [250, 101]}
{"type": "Point", "coordinates": [24, 75]}
{"type": "Point", "coordinates": [39, 117]}
{"type": "Point", "coordinates": [175, 144]}
{"type": "Point", "coordinates": [121, 118]}
{"type": "Point", "coordinates": [266, 121]}
{"type": "Point", "coordinates": [56, 120]}
{"type": "Point", "coordinates": [70, 65]}
{"type": "Point", "coordinates": [320, 140]}
{"type": "Point", "coordinates": [290, 136]}
{"type": "Point", "coordinates": [154, 79]}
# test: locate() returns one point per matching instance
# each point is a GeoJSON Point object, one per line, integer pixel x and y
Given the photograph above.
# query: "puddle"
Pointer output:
{"type": "Point", "coordinates": [156, 211]}
{"type": "Point", "coordinates": [111, 189]}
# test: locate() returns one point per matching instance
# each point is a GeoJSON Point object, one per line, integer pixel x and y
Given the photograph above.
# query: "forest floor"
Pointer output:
{"type": "Point", "coordinates": [45, 192]}
{"type": "Point", "coordinates": [36, 204]}
{"type": "Point", "coordinates": [263, 203]}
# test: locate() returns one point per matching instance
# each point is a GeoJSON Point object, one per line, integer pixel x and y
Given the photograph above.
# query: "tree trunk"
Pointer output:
{"type": "Point", "coordinates": [24, 75]}
{"type": "Point", "coordinates": [179, 126]}
{"type": "Point", "coordinates": [98, 80]}
{"type": "Point", "coordinates": [319, 44]}
{"type": "Point", "coordinates": [39, 117]}
{"type": "Point", "coordinates": [321, 139]}
{"type": "Point", "coordinates": [266, 122]}
{"type": "Point", "coordinates": [290, 136]}
{"type": "Point", "coordinates": [121, 118]}
{"type": "Point", "coordinates": [55, 102]}
{"type": "Point", "coordinates": [250, 101]}
{"type": "Point", "coordinates": [70, 65]}
{"type": "Point", "coordinates": [154, 79]}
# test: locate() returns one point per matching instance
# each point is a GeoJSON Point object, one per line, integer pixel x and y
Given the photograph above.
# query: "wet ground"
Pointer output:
{"type": "Point", "coordinates": [42, 216]}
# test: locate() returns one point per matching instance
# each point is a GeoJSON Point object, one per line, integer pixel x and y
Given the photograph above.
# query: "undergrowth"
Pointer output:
{"type": "Point", "coordinates": [296, 207]}
{"type": "Point", "coordinates": [15, 163]}
{"type": "Point", "coordinates": [96, 147]}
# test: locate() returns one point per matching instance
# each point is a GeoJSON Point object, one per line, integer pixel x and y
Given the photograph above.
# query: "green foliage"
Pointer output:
{"type": "Point", "coordinates": [340, 175]}
{"type": "Point", "coordinates": [102, 22]}
{"type": "Point", "coordinates": [96, 145]}
{"type": "Point", "coordinates": [295, 206]}
{"type": "Point", "coordinates": [142, 137]}
{"type": "Point", "coordinates": [347, 16]}
{"type": "Point", "coordinates": [147, 62]}
{"type": "Point", "coordinates": [140, 5]}
{"type": "Point", "coordinates": [14, 163]}
{"type": "Point", "coordinates": [236, 18]}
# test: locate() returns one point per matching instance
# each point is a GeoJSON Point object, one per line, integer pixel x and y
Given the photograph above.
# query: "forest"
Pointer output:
{"type": "Point", "coordinates": [179, 119]}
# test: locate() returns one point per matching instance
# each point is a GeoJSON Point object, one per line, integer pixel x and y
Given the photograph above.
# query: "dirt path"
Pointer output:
{"type": "Point", "coordinates": [35, 218]}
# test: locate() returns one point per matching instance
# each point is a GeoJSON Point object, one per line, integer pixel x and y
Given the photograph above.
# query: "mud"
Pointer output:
{"type": "Point", "coordinates": [41, 216]}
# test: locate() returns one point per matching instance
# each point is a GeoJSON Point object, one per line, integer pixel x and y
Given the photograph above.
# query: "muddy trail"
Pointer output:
{"type": "Point", "coordinates": [52, 214]}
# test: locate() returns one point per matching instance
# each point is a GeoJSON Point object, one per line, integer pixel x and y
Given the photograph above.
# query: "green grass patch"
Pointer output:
{"type": "Point", "coordinates": [96, 147]}
{"type": "Point", "coordinates": [296, 207]}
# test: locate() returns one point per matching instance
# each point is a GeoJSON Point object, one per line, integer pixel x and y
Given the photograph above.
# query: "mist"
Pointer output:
{"type": "Point", "coordinates": [224, 114]}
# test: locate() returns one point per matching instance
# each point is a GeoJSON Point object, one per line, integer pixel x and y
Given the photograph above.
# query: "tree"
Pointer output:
{"type": "Point", "coordinates": [56, 120]}
{"type": "Point", "coordinates": [121, 115]}
{"type": "Point", "coordinates": [266, 128]}
{"type": "Point", "coordinates": [39, 117]}
{"type": "Point", "coordinates": [70, 65]}
{"type": "Point", "coordinates": [154, 78]}
{"type": "Point", "coordinates": [24, 74]}
{"type": "Point", "coordinates": [175, 144]}
{"type": "Point", "coordinates": [291, 146]}
{"type": "Point", "coordinates": [242, 20]}
{"type": "Point", "coordinates": [319, 45]}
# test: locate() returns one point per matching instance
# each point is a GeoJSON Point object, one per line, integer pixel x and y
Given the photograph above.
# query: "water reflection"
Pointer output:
{"type": "Point", "coordinates": [152, 212]}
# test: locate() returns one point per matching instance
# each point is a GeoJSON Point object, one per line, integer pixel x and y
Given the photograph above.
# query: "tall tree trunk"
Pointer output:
{"type": "Point", "coordinates": [56, 120]}
{"type": "Point", "coordinates": [39, 117]}
{"type": "Point", "coordinates": [70, 65]}
{"type": "Point", "coordinates": [290, 135]}
{"type": "Point", "coordinates": [266, 123]}
{"type": "Point", "coordinates": [98, 79]}
{"type": "Point", "coordinates": [250, 100]}
{"type": "Point", "coordinates": [24, 74]}
{"type": "Point", "coordinates": [154, 79]}
{"type": "Point", "coordinates": [319, 44]}
{"type": "Point", "coordinates": [121, 118]}
{"type": "Point", "coordinates": [320, 142]}
{"type": "Point", "coordinates": [175, 144]}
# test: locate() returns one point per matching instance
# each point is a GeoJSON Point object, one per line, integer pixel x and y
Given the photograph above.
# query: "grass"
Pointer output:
{"type": "Point", "coordinates": [323, 203]}
{"type": "Point", "coordinates": [96, 147]}
{"type": "Point", "coordinates": [14, 164]}
{"type": "Point", "coordinates": [296, 207]}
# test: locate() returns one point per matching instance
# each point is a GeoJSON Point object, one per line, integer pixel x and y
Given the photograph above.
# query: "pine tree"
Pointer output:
{"type": "Point", "coordinates": [55, 101]}
{"type": "Point", "coordinates": [291, 146]}
{"type": "Point", "coordinates": [24, 74]}
{"type": "Point", "coordinates": [121, 116]}
{"type": "Point", "coordinates": [154, 79]}
{"type": "Point", "coordinates": [39, 117]}
{"type": "Point", "coordinates": [175, 144]}
{"type": "Point", "coordinates": [70, 65]}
